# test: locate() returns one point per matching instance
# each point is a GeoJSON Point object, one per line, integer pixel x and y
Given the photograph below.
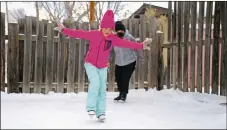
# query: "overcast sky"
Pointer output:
{"type": "Point", "coordinates": [30, 9]}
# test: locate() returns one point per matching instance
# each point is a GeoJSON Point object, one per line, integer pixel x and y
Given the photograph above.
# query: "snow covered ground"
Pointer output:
{"type": "Point", "coordinates": [153, 109]}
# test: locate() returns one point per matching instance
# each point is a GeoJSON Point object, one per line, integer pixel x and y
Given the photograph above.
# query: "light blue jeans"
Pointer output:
{"type": "Point", "coordinates": [96, 98]}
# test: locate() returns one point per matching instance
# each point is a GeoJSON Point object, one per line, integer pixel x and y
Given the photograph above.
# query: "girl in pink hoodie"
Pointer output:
{"type": "Point", "coordinates": [96, 61]}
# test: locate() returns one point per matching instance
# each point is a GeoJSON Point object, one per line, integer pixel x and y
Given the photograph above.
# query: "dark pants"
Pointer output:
{"type": "Point", "coordinates": [123, 75]}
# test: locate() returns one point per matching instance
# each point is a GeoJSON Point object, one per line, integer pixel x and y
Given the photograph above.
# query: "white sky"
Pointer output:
{"type": "Point", "coordinates": [30, 9]}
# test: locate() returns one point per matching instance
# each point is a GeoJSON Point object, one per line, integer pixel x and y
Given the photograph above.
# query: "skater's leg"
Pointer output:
{"type": "Point", "coordinates": [94, 86]}
{"type": "Point", "coordinates": [101, 103]}
{"type": "Point", "coordinates": [126, 75]}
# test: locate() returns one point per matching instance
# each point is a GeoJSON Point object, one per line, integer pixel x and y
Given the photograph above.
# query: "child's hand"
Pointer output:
{"type": "Point", "coordinates": [60, 26]}
{"type": "Point", "coordinates": [146, 42]}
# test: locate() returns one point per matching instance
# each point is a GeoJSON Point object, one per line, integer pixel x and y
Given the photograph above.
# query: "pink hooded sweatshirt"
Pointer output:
{"type": "Point", "coordinates": [100, 46]}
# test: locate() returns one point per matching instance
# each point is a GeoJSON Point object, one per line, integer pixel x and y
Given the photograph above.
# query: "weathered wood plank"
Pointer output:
{"type": "Point", "coordinates": [207, 47]}
{"type": "Point", "coordinates": [198, 82]}
{"type": "Point", "coordinates": [224, 50]}
{"type": "Point", "coordinates": [179, 74]}
{"type": "Point", "coordinates": [39, 57]}
{"type": "Point", "coordinates": [27, 55]}
{"type": "Point", "coordinates": [60, 71]}
{"type": "Point", "coordinates": [142, 35]}
{"type": "Point", "coordinates": [186, 36]}
{"type": "Point", "coordinates": [215, 56]}
{"type": "Point", "coordinates": [160, 62]}
{"type": "Point", "coordinates": [71, 63]}
{"type": "Point", "coordinates": [49, 58]}
{"type": "Point", "coordinates": [2, 52]}
{"type": "Point", "coordinates": [169, 40]}
{"type": "Point", "coordinates": [193, 47]}
{"type": "Point", "coordinates": [13, 59]}
{"type": "Point", "coordinates": [130, 28]}
{"type": "Point", "coordinates": [82, 53]}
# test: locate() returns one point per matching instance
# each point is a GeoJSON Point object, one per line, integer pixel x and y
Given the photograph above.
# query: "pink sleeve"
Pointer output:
{"type": "Point", "coordinates": [126, 43]}
{"type": "Point", "coordinates": [82, 34]}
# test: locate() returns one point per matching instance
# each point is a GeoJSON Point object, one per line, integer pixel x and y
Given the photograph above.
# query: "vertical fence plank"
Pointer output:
{"type": "Point", "coordinates": [160, 62]}
{"type": "Point", "coordinates": [27, 55]}
{"type": "Point", "coordinates": [81, 71]}
{"type": "Point", "coordinates": [39, 56]}
{"type": "Point", "coordinates": [60, 71]}
{"type": "Point", "coordinates": [132, 81]}
{"type": "Point", "coordinates": [193, 42]}
{"type": "Point", "coordinates": [111, 83]}
{"type": "Point", "coordinates": [215, 56]}
{"type": "Point", "coordinates": [179, 74]}
{"type": "Point", "coordinates": [224, 49]}
{"type": "Point", "coordinates": [13, 58]}
{"type": "Point", "coordinates": [198, 82]}
{"type": "Point", "coordinates": [186, 35]}
{"type": "Point", "coordinates": [49, 58]}
{"type": "Point", "coordinates": [142, 34]}
{"type": "Point", "coordinates": [207, 45]}
{"type": "Point", "coordinates": [2, 52]}
{"type": "Point", "coordinates": [71, 62]}
{"type": "Point", "coordinates": [169, 39]}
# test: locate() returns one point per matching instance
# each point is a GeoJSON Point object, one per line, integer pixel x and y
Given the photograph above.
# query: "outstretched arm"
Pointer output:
{"type": "Point", "coordinates": [74, 33]}
{"type": "Point", "coordinates": [77, 33]}
{"type": "Point", "coordinates": [126, 43]}
{"type": "Point", "coordinates": [140, 52]}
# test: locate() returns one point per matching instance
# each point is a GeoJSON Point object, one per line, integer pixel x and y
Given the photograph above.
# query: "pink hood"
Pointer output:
{"type": "Point", "coordinates": [100, 46]}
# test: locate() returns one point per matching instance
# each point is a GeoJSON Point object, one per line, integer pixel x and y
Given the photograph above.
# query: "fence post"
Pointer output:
{"type": "Point", "coordinates": [60, 68]}
{"type": "Point", "coordinates": [160, 61]}
{"type": "Point", "coordinates": [27, 55]}
{"type": "Point", "coordinates": [71, 62]}
{"type": "Point", "coordinates": [207, 46]}
{"type": "Point", "coordinates": [224, 49]}
{"type": "Point", "coordinates": [49, 57]}
{"type": "Point", "coordinates": [13, 58]}
{"type": "Point", "coordinates": [39, 56]}
{"type": "Point", "coordinates": [198, 81]}
{"type": "Point", "coordinates": [2, 52]}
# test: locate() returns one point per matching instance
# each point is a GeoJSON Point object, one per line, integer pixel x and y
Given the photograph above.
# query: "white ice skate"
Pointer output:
{"type": "Point", "coordinates": [91, 114]}
{"type": "Point", "coordinates": [102, 118]}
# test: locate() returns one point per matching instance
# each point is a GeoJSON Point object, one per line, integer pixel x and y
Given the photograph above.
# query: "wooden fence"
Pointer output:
{"type": "Point", "coordinates": [197, 60]}
{"type": "Point", "coordinates": [39, 61]}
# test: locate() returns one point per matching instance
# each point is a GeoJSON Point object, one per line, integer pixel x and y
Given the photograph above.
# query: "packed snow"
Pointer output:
{"type": "Point", "coordinates": [166, 109]}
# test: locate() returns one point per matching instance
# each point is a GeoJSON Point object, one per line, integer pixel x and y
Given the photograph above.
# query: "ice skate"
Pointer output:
{"type": "Point", "coordinates": [102, 118]}
{"type": "Point", "coordinates": [91, 114]}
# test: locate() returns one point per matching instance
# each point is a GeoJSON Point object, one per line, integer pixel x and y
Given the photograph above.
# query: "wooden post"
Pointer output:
{"type": "Point", "coordinates": [160, 61]}
{"type": "Point", "coordinates": [39, 56]}
{"type": "Point", "coordinates": [2, 52]}
{"type": "Point", "coordinates": [13, 58]}
{"type": "Point", "coordinates": [111, 83]}
{"type": "Point", "coordinates": [186, 35]}
{"type": "Point", "coordinates": [50, 57]}
{"type": "Point", "coordinates": [179, 74]}
{"type": "Point", "coordinates": [224, 49]}
{"type": "Point", "coordinates": [142, 30]}
{"type": "Point", "coordinates": [71, 62]}
{"type": "Point", "coordinates": [60, 72]}
{"type": "Point", "coordinates": [215, 56]}
{"type": "Point", "coordinates": [82, 53]}
{"type": "Point", "coordinates": [207, 46]}
{"type": "Point", "coordinates": [192, 43]}
{"type": "Point", "coordinates": [169, 40]}
{"type": "Point", "coordinates": [198, 82]}
{"type": "Point", "coordinates": [27, 55]}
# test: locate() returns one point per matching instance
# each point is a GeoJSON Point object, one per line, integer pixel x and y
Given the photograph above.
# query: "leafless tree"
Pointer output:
{"type": "Point", "coordinates": [17, 13]}
{"type": "Point", "coordinates": [78, 11]}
